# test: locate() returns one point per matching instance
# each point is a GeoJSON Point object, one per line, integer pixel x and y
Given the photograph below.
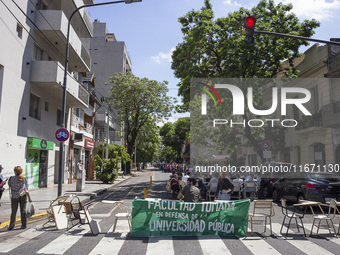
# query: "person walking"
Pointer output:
{"type": "Point", "coordinates": [19, 194]}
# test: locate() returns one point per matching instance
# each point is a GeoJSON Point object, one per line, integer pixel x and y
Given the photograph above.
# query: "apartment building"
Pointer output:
{"type": "Point", "coordinates": [31, 76]}
{"type": "Point", "coordinates": [316, 138]}
{"type": "Point", "coordinates": [109, 56]}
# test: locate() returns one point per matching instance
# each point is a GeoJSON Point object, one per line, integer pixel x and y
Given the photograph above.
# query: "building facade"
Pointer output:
{"type": "Point", "coordinates": [31, 77]}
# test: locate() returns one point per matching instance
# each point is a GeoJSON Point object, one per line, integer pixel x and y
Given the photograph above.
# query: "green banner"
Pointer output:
{"type": "Point", "coordinates": [164, 217]}
{"type": "Point", "coordinates": [39, 144]}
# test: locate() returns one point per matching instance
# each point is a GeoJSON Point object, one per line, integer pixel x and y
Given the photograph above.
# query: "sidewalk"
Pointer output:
{"type": "Point", "coordinates": [42, 197]}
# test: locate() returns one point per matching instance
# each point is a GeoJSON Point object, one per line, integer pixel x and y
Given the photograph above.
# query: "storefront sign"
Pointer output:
{"type": "Point", "coordinates": [89, 144]}
{"type": "Point", "coordinates": [39, 143]}
{"type": "Point", "coordinates": [163, 217]}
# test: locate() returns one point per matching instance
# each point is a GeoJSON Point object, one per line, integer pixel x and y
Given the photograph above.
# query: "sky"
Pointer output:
{"type": "Point", "coordinates": [151, 29]}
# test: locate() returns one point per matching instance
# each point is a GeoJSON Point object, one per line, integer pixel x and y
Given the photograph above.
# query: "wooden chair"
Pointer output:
{"type": "Point", "coordinates": [291, 216]}
{"type": "Point", "coordinates": [56, 207]}
{"type": "Point", "coordinates": [263, 211]}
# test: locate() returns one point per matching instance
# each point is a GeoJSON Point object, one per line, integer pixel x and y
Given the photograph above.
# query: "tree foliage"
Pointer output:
{"type": "Point", "coordinates": [215, 48]}
{"type": "Point", "coordinates": [148, 142]}
{"type": "Point", "coordinates": [136, 101]}
{"type": "Point", "coordinates": [174, 136]}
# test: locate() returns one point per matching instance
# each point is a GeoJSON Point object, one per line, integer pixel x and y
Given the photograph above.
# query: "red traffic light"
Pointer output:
{"type": "Point", "coordinates": [250, 21]}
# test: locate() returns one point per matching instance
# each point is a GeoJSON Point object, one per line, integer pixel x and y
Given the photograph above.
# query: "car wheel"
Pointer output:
{"type": "Point", "coordinates": [275, 196]}
{"type": "Point", "coordinates": [265, 192]}
{"type": "Point", "coordinates": [300, 197]}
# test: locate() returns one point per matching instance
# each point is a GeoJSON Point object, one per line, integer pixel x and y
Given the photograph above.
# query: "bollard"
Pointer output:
{"type": "Point", "coordinates": [145, 194]}
{"type": "Point", "coordinates": [150, 180]}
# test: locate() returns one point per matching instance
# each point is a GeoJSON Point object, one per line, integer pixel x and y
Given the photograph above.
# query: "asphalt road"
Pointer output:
{"type": "Point", "coordinates": [79, 240]}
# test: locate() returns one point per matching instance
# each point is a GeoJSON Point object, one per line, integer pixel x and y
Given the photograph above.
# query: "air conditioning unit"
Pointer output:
{"type": "Point", "coordinates": [78, 136]}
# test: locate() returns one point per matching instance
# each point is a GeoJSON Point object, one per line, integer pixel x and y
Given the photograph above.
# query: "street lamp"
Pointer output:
{"type": "Point", "coordinates": [61, 150]}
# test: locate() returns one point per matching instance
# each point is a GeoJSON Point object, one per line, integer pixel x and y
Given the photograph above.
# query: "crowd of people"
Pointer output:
{"type": "Point", "coordinates": [193, 187]}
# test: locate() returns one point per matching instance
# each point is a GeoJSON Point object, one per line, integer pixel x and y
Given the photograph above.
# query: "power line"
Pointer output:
{"type": "Point", "coordinates": [34, 39]}
{"type": "Point", "coordinates": [43, 32]}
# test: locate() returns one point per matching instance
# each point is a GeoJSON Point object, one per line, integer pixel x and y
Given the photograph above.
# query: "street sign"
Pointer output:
{"type": "Point", "coordinates": [267, 154]}
{"type": "Point", "coordinates": [62, 134]}
{"type": "Point", "coordinates": [265, 145]}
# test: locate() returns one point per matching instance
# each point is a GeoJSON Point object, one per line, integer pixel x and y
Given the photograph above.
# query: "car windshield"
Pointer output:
{"type": "Point", "coordinates": [325, 177]}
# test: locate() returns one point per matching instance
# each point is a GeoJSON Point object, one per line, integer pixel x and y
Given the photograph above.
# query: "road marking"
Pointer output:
{"type": "Point", "coordinates": [65, 241]}
{"type": "Point", "coordinates": [111, 243]}
{"type": "Point", "coordinates": [257, 245]}
{"type": "Point", "coordinates": [213, 245]}
{"type": "Point", "coordinates": [323, 231]}
{"type": "Point", "coordinates": [160, 245]}
{"type": "Point", "coordinates": [303, 245]}
{"type": "Point", "coordinates": [6, 245]}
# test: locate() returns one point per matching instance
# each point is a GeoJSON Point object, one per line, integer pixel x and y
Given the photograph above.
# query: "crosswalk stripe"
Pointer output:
{"type": "Point", "coordinates": [160, 245]}
{"type": "Point", "coordinates": [111, 243]}
{"type": "Point", "coordinates": [213, 245]}
{"type": "Point", "coordinates": [257, 245]}
{"type": "Point", "coordinates": [65, 241]}
{"type": "Point", "coordinates": [323, 231]}
{"type": "Point", "coordinates": [303, 245]}
{"type": "Point", "coordinates": [6, 245]}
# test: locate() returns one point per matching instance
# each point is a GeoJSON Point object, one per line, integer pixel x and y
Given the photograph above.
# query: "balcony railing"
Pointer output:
{"type": "Point", "coordinates": [310, 121]}
{"type": "Point", "coordinates": [83, 94]}
{"type": "Point", "coordinates": [77, 121]}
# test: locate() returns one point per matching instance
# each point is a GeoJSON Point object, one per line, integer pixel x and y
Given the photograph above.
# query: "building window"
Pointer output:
{"type": "Point", "coordinates": [34, 111]}
{"type": "Point", "coordinates": [46, 106]}
{"type": "Point", "coordinates": [19, 30]}
{"type": "Point", "coordinates": [59, 117]}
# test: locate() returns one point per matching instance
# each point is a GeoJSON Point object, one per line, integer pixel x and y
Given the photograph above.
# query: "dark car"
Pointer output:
{"type": "Point", "coordinates": [319, 187]}
{"type": "Point", "coordinates": [273, 172]}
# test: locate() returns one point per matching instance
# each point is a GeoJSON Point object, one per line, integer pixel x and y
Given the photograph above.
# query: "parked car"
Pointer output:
{"type": "Point", "coordinates": [275, 171]}
{"type": "Point", "coordinates": [319, 187]}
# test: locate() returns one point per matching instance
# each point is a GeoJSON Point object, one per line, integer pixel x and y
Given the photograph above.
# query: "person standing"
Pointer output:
{"type": "Point", "coordinates": [224, 188]}
{"type": "Point", "coordinates": [190, 193]}
{"type": "Point", "coordinates": [2, 183]}
{"type": "Point", "coordinates": [19, 195]}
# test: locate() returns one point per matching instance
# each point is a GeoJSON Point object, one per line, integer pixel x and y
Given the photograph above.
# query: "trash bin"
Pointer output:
{"type": "Point", "coordinates": [80, 180]}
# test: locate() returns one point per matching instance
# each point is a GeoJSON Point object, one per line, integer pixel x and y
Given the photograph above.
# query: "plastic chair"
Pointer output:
{"type": "Point", "coordinates": [291, 216]}
{"type": "Point", "coordinates": [123, 215]}
{"type": "Point", "coordinates": [263, 211]}
{"type": "Point", "coordinates": [328, 218]}
{"type": "Point", "coordinates": [237, 191]}
{"type": "Point", "coordinates": [250, 187]}
{"type": "Point", "coordinates": [212, 192]}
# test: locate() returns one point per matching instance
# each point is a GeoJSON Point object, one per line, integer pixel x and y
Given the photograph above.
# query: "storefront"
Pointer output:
{"type": "Point", "coordinates": [37, 162]}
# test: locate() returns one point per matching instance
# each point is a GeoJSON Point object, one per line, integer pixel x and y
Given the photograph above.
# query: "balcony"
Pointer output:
{"type": "Point", "coordinates": [310, 123]}
{"type": "Point", "coordinates": [49, 77]}
{"type": "Point", "coordinates": [101, 120]}
{"type": "Point", "coordinates": [55, 28]}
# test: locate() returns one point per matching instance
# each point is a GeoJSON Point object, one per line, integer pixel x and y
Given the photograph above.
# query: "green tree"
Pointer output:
{"type": "Point", "coordinates": [137, 100]}
{"type": "Point", "coordinates": [168, 154]}
{"type": "Point", "coordinates": [174, 136]}
{"type": "Point", "coordinates": [107, 169]}
{"type": "Point", "coordinates": [216, 48]}
{"type": "Point", "coordinates": [148, 142]}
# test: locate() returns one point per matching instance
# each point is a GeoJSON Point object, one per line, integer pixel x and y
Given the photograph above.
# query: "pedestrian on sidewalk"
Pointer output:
{"type": "Point", "coordinates": [2, 183]}
{"type": "Point", "coordinates": [19, 194]}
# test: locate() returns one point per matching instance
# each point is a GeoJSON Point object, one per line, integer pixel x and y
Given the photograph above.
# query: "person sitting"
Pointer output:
{"type": "Point", "coordinates": [174, 185]}
{"type": "Point", "coordinates": [186, 177]}
{"type": "Point", "coordinates": [190, 193]}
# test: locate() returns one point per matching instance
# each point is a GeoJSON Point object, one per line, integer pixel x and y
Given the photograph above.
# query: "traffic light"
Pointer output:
{"type": "Point", "coordinates": [249, 24]}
